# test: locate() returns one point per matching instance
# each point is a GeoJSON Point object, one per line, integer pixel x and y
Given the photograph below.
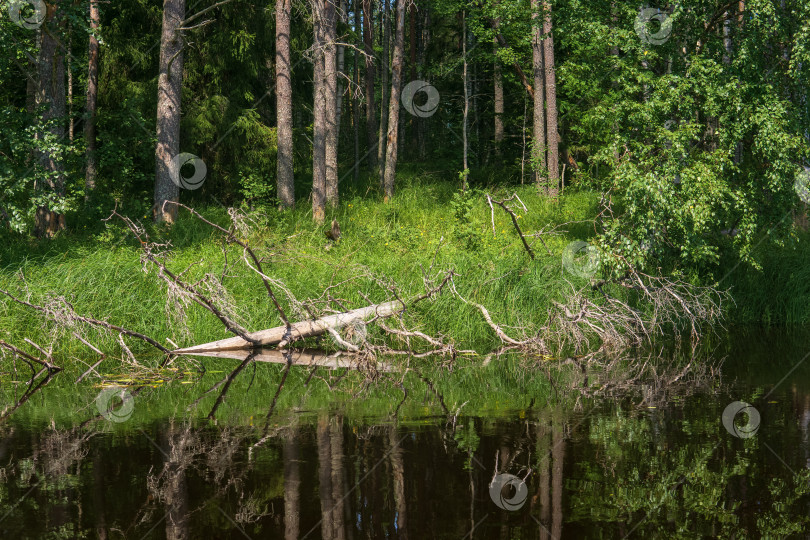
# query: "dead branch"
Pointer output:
{"type": "Point", "coordinates": [498, 330]}
{"type": "Point", "coordinates": [27, 358]}
{"type": "Point", "coordinates": [665, 304]}
{"type": "Point", "coordinates": [508, 210]}
{"type": "Point", "coordinates": [174, 280]}
{"type": "Point", "coordinates": [73, 316]}
{"type": "Point", "coordinates": [231, 238]}
{"type": "Point", "coordinates": [203, 12]}
{"type": "Point", "coordinates": [410, 333]}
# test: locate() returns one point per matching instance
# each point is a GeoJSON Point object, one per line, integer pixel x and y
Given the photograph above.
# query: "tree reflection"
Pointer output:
{"type": "Point", "coordinates": [292, 485]}
{"type": "Point", "coordinates": [651, 461]}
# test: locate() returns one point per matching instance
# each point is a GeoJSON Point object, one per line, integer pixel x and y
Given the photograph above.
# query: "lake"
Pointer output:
{"type": "Point", "coordinates": [679, 442]}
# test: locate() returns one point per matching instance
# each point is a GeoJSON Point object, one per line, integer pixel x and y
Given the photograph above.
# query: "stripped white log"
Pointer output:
{"type": "Point", "coordinates": [299, 330]}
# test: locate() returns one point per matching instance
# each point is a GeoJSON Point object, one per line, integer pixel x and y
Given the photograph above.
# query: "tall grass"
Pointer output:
{"type": "Point", "coordinates": [426, 229]}
{"type": "Point", "coordinates": [387, 245]}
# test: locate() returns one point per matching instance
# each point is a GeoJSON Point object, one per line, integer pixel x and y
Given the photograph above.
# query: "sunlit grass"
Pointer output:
{"type": "Point", "coordinates": [389, 245]}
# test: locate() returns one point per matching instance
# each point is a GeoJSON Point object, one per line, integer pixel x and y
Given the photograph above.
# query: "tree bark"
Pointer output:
{"type": "Point", "coordinates": [393, 110]}
{"type": "Point", "coordinates": [412, 45]}
{"type": "Point", "coordinates": [284, 118]}
{"type": "Point", "coordinates": [384, 102]}
{"type": "Point", "coordinates": [332, 116]}
{"type": "Point", "coordinates": [51, 92]}
{"type": "Point", "coordinates": [69, 83]}
{"type": "Point", "coordinates": [341, 65]}
{"type": "Point", "coordinates": [319, 116]}
{"type": "Point", "coordinates": [170, 85]}
{"type": "Point", "coordinates": [91, 172]}
{"type": "Point", "coordinates": [371, 110]}
{"type": "Point", "coordinates": [552, 135]}
{"type": "Point", "coordinates": [465, 164]}
{"type": "Point", "coordinates": [422, 123]}
{"type": "Point", "coordinates": [499, 106]}
{"type": "Point", "coordinates": [355, 90]}
{"type": "Point", "coordinates": [539, 135]}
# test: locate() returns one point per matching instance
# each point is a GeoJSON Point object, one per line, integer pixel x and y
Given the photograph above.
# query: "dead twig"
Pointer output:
{"type": "Point", "coordinates": [231, 238]}
{"type": "Point", "coordinates": [508, 210]}
{"type": "Point", "coordinates": [29, 358]}
{"type": "Point", "coordinates": [174, 280]}
{"type": "Point", "coordinates": [72, 315]}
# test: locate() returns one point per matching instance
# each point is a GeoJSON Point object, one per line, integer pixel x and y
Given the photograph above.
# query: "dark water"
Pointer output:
{"type": "Point", "coordinates": [643, 455]}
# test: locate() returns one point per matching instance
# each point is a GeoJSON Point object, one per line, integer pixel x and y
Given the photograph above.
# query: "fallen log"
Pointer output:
{"type": "Point", "coordinates": [300, 330]}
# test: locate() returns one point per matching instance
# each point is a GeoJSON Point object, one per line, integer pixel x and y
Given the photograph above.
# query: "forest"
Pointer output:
{"type": "Point", "coordinates": [383, 241]}
{"type": "Point", "coordinates": [669, 141]}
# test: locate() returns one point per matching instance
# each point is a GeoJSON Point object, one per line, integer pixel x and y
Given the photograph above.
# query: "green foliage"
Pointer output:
{"type": "Point", "coordinates": [464, 229]}
{"type": "Point", "coordinates": [25, 138]}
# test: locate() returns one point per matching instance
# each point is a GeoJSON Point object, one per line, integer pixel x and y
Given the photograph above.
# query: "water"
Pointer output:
{"type": "Point", "coordinates": [580, 451]}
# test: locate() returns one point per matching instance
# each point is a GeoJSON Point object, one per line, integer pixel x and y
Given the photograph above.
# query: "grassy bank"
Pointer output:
{"type": "Point", "coordinates": [383, 246]}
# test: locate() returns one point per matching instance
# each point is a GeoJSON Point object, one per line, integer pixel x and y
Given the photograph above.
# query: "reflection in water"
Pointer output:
{"type": "Point", "coordinates": [292, 485]}
{"type": "Point", "coordinates": [649, 461]}
{"type": "Point", "coordinates": [35, 384]}
{"type": "Point", "coordinates": [169, 486]}
{"type": "Point", "coordinates": [557, 457]}
{"type": "Point", "coordinates": [605, 474]}
{"type": "Point", "coordinates": [398, 477]}
{"type": "Point", "coordinates": [98, 494]}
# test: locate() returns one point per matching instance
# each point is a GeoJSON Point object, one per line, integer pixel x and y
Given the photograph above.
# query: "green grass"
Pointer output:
{"type": "Point", "coordinates": [779, 292]}
{"type": "Point", "coordinates": [382, 246]}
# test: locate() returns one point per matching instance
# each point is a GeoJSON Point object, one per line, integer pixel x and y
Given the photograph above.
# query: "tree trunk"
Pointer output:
{"type": "Point", "coordinates": [384, 102]}
{"type": "Point", "coordinates": [473, 96]}
{"type": "Point", "coordinates": [552, 135]}
{"type": "Point", "coordinates": [539, 135]}
{"type": "Point", "coordinates": [331, 76]}
{"type": "Point", "coordinates": [393, 111]}
{"type": "Point", "coordinates": [284, 119]}
{"type": "Point", "coordinates": [412, 44]}
{"type": "Point", "coordinates": [298, 330]}
{"type": "Point", "coordinates": [422, 123]}
{"type": "Point", "coordinates": [51, 92]}
{"type": "Point", "coordinates": [173, 492]}
{"type": "Point", "coordinates": [371, 110]}
{"type": "Point", "coordinates": [465, 164]}
{"type": "Point", "coordinates": [99, 483]}
{"type": "Point", "coordinates": [170, 85]}
{"type": "Point", "coordinates": [319, 117]}
{"type": "Point", "coordinates": [91, 171]}
{"type": "Point", "coordinates": [69, 82]}
{"type": "Point", "coordinates": [354, 92]}
{"type": "Point", "coordinates": [499, 108]}
{"type": "Point", "coordinates": [341, 65]}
